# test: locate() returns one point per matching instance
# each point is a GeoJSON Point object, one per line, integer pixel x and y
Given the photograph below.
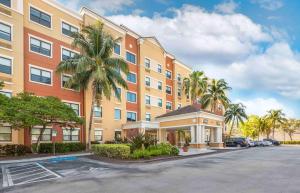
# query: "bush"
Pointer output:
{"type": "Point", "coordinates": [60, 147]}
{"type": "Point", "coordinates": [120, 151]}
{"type": "Point", "coordinates": [141, 141]}
{"type": "Point", "coordinates": [14, 150]}
{"type": "Point", "coordinates": [155, 150]}
{"type": "Point", "coordinates": [291, 142]}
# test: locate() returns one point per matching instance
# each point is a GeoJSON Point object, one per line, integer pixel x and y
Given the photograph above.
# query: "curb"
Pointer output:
{"type": "Point", "coordinates": [43, 158]}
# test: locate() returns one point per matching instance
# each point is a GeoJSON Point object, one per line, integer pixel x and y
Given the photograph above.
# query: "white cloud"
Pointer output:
{"type": "Point", "coordinates": [72, 4]}
{"type": "Point", "coordinates": [227, 7]}
{"type": "Point", "coordinates": [269, 4]}
{"type": "Point", "coordinates": [260, 106]}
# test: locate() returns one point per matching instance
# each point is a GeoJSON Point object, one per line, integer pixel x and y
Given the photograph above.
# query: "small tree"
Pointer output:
{"type": "Point", "coordinates": [290, 127]}
{"type": "Point", "coordinates": [1, 84]}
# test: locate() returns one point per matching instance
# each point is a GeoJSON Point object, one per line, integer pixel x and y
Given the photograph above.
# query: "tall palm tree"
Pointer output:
{"type": "Point", "coordinates": [1, 84]}
{"type": "Point", "coordinates": [276, 118]}
{"type": "Point", "coordinates": [216, 93]}
{"type": "Point", "coordinates": [263, 126]}
{"type": "Point", "coordinates": [195, 85]}
{"type": "Point", "coordinates": [95, 67]}
{"type": "Point", "coordinates": [234, 115]}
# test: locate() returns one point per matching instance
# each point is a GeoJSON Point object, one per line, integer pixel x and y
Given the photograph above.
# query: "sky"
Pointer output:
{"type": "Point", "coordinates": [253, 44]}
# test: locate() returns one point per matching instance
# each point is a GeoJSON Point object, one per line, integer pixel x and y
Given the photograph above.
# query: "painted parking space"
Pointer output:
{"type": "Point", "coordinates": [19, 174]}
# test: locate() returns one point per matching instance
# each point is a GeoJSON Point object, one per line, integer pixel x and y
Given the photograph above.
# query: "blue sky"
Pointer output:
{"type": "Point", "coordinates": [253, 44]}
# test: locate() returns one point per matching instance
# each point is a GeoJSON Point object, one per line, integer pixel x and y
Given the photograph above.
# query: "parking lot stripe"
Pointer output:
{"type": "Point", "coordinates": [20, 167]}
{"type": "Point", "coordinates": [33, 170]}
{"type": "Point", "coordinates": [5, 179]}
{"type": "Point", "coordinates": [49, 170]}
{"type": "Point", "coordinates": [16, 171]}
{"type": "Point", "coordinates": [29, 175]}
{"type": "Point", "coordinates": [35, 179]}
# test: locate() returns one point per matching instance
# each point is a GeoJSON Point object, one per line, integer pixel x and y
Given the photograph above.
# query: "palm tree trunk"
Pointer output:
{"type": "Point", "coordinates": [273, 131]}
{"type": "Point", "coordinates": [91, 120]}
{"type": "Point", "coordinates": [291, 136]}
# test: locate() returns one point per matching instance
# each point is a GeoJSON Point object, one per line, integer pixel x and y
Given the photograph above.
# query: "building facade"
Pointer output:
{"type": "Point", "coordinates": [35, 38]}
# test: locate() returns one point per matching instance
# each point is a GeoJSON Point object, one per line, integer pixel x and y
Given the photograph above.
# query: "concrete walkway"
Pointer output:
{"type": "Point", "coordinates": [195, 151]}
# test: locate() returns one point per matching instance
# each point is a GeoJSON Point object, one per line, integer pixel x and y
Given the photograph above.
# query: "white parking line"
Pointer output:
{"type": "Point", "coordinates": [27, 171]}
{"type": "Point", "coordinates": [30, 175]}
{"type": "Point", "coordinates": [49, 170]}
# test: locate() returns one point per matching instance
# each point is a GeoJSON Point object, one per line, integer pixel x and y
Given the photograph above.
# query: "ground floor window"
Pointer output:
{"type": "Point", "coordinates": [118, 135]}
{"type": "Point", "coordinates": [98, 135]}
{"type": "Point", "coordinates": [35, 133]}
{"type": "Point", "coordinates": [71, 134]}
{"type": "Point", "coordinates": [5, 134]}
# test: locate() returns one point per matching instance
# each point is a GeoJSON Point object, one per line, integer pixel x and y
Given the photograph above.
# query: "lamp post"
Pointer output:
{"type": "Point", "coordinates": [54, 134]}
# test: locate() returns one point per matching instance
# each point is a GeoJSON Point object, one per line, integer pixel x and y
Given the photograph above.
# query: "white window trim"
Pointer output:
{"type": "Point", "coordinates": [116, 108]}
{"type": "Point", "coordinates": [40, 127]}
{"type": "Point", "coordinates": [40, 68]}
{"type": "Point", "coordinates": [160, 69]}
{"type": "Point", "coordinates": [65, 48]}
{"type": "Point", "coordinates": [150, 81]}
{"type": "Point", "coordinates": [7, 91]}
{"type": "Point", "coordinates": [65, 141]}
{"type": "Point", "coordinates": [11, 31]}
{"type": "Point", "coordinates": [147, 113]}
{"type": "Point", "coordinates": [101, 112]}
{"type": "Point", "coordinates": [35, 7]}
{"type": "Point", "coordinates": [12, 63]}
{"type": "Point", "coordinates": [61, 82]}
{"type": "Point", "coordinates": [171, 105]}
{"type": "Point", "coordinates": [120, 44]}
{"type": "Point", "coordinates": [132, 112]}
{"type": "Point", "coordinates": [7, 6]}
{"type": "Point", "coordinates": [73, 102]}
{"type": "Point", "coordinates": [161, 86]}
{"type": "Point", "coordinates": [135, 97]}
{"type": "Point", "coordinates": [171, 90]}
{"type": "Point", "coordinates": [41, 39]}
{"type": "Point", "coordinates": [99, 129]}
{"type": "Point", "coordinates": [129, 61]}
{"type": "Point", "coordinates": [61, 27]}
{"type": "Point", "coordinates": [135, 78]}
{"type": "Point", "coordinates": [150, 63]}
{"type": "Point", "coordinates": [150, 100]}
{"type": "Point", "coordinates": [171, 75]}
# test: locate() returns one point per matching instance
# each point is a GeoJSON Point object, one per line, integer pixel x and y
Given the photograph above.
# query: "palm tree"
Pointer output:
{"type": "Point", "coordinates": [95, 67]}
{"type": "Point", "coordinates": [216, 93]}
{"type": "Point", "coordinates": [263, 126]}
{"type": "Point", "coordinates": [1, 84]}
{"type": "Point", "coordinates": [195, 85]}
{"type": "Point", "coordinates": [235, 115]}
{"type": "Point", "coordinates": [276, 118]}
{"type": "Point", "coordinates": [290, 127]}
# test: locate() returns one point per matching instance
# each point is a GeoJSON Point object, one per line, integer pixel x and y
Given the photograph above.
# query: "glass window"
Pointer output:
{"type": "Point", "coordinates": [178, 77]}
{"type": "Point", "coordinates": [131, 77]}
{"type": "Point", "coordinates": [5, 133]}
{"type": "Point", "coordinates": [117, 49]}
{"type": "Point", "coordinates": [97, 111]}
{"type": "Point", "coordinates": [5, 32]}
{"type": "Point", "coordinates": [159, 102]}
{"type": "Point", "coordinates": [179, 92]}
{"type": "Point", "coordinates": [40, 17]}
{"type": "Point", "coordinates": [159, 68]}
{"type": "Point", "coordinates": [6, 2]}
{"type": "Point", "coordinates": [159, 85]}
{"type": "Point", "coordinates": [35, 133]}
{"type": "Point", "coordinates": [8, 94]}
{"type": "Point", "coordinates": [70, 134]}
{"type": "Point", "coordinates": [147, 100]}
{"type": "Point", "coordinates": [38, 75]}
{"type": "Point", "coordinates": [147, 63]}
{"type": "Point", "coordinates": [148, 117]}
{"type": "Point", "coordinates": [40, 46]}
{"type": "Point", "coordinates": [5, 65]}
{"type": "Point", "coordinates": [65, 78]}
{"type": "Point", "coordinates": [168, 74]}
{"type": "Point", "coordinates": [130, 57]}
{"type": "Point", "coordinates": [98, 135]}
{"type": "Point", "coordinates": [131, 116]}
{"type": "Point", "coordinates": [119, 92]}
{"type": "Point", "coordinates": [168, 90]}
{"type": "Point", "coordinates": [74, 106]}
{"type": "Point", "coordinates": [168, 106]}
{"type": "Point", "coordinates": [147, 81]}
{"type": "Point", "coordinates": [117, 114]}
{"type": "Point", "coordinates": [67, 54]}
{"type": "Point", "coordinates": [118, 135]}
{"type": "Point", "coordinates": [68, 29]}
{"type": "Point", "coordinates": [131, 97]}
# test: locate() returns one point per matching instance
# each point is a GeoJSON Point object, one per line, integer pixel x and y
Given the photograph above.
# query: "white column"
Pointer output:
{"type": "Point", "coordinates": [198, 136]}
{"type": "Point", "coordinates": [219, 134]}
{"type": "Point", "coordinates": [203, 136]}
{"type": "Point", "coordinates": [192, 128]}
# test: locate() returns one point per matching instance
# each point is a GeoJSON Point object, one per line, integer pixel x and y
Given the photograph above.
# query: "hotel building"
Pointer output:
{"type": "Point", "coordinates": [35, 38]}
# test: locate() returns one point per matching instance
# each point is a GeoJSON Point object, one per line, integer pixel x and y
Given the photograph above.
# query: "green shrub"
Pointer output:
{"type": "Point", "coordinates": [155, 150]}
{"type": "Point", "coordinates": [141, 141]}
{"type": "Point", "coordinates": [120, 151]}
{"type": "Point", "coordinates": [291, 142]}
{"type": "Point", "coordinates": [14, 150]}
{"type": "Point", "coordinates": [60, 147]}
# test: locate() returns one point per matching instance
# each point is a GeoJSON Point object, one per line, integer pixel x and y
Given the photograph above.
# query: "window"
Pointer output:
{"type": "Point", "coordinates": [169, 74]}
{"type": "Point", "coordinates": [179, 106]}
{"type": "Point", "coordinates": [74, 106]}
{"type": "Point", "coordinates": [98, 135]}
{"type": "Point", "coordinates": [117, 114]}
{"type": "Point", "coordinates": [130, 57]}
{"type": "Point", "coordinates": [159, 102]}
{"type": "Point", "coordinates": [147, 100]}
{"type": "Point", "coordinates": [131, 97]}
{"type": "Point", "coordinates": [118, 135]}
{"type": "Point", "coordinates": [159, 85]}
{"type": "Point", "coordinates": [131, 116]}
{"type": "Point", "coordinates": [68, 29]}
{"type": "Point", "coordinates": [117, 49]}
{"type": "Point", "coordinates": [148, 117]}
{"type": "Point", "coordinates": [168, 90]}
{"type": "Point", "coordinates": [168, 106]}
{"type": "Point", "coordinates": [6, 2]}
{"type": "Point", "coordinates": [5, 133]}
{"type": "Point", "coordinates": [39, 75]}
{"type": "Point", "coordinates": [67, 54]}
{"type": "Point", "coordinates": [118, 93]}
{"type": "Point", "coordinates": [5, 32]}
{"type": "Point", "coordinates": [131, 77]}
{"type": "Point", "coordinates": [40, 17]}
{"type": "Point", "coordinates": [159, 68]}
{"type": "Point", "coordinates": [71, 134]}
{"type": "Point", "coordinates": [147, 63]}
{"type": "Point", "coordinates": [8, 94]}
{"type": "Point", "coordinates": [64, 80]}
{"type": "Point", "coordinates": [178, 77]}
{"type": "Point", "coordinates": [47, 134]}
{"type": "Point", "coordinates": [5, 65]}
{"type": "Point", "coordinates": [179, 92]}
{"type": "Point", "coordinates": [40, 47]}
{"type": "Point", "coordinates": [97, 112]}
{"type": "Point", "coordinates": [147, 81]}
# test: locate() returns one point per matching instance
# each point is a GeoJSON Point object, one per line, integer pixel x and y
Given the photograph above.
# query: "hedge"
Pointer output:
{"type": "Point", "coordinates": [119, 151]}
{"type": "Point", "coordinates": [14, 150]}
{"type": "Point", "coordinates": [60, 147]}
{"type": "Point", "coordinates": [291, 142]}
{"type": "Point", "coordinates": [155, 150]}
